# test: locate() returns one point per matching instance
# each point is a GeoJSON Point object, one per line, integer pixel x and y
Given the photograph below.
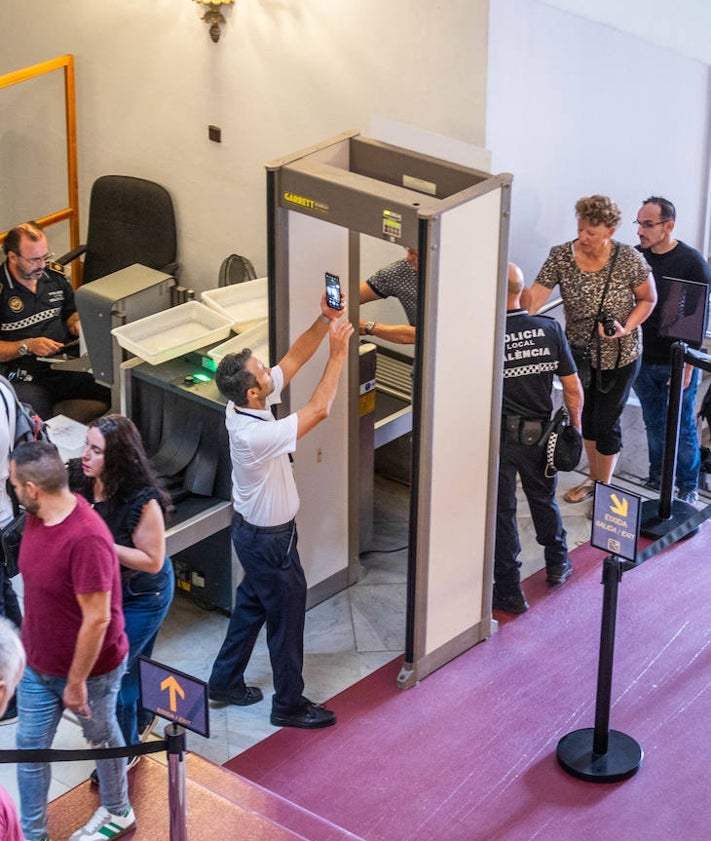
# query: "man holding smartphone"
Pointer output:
{"type": "Point", "coordinates": [265, 502]}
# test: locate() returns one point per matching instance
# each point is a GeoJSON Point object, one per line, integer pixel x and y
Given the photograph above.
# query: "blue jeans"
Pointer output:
{"type": "Point", "coordinates": [146, 599]}
{"type": "Point", "coordinates": [40, 707]}
{"type": "Point", "coordinates": [651, 386]}
{"type": "Point", "coordinates": [273, 590]}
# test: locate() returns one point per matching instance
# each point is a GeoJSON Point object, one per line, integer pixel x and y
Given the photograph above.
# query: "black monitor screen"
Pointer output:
{"type": "Point", "coordinates": [682, 309]}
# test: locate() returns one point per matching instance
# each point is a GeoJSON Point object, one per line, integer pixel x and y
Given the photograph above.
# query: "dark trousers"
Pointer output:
{"type": "Point", "coordinates": [529, 463]}
{"type": "Point", "coordinates": [43, 392]}
{"type": "Point", "coordinates": [273, 590]}
{"type": "Point", "coordinates": [602, 409]}
{"type": "Point", "coordinates": [9, 603]}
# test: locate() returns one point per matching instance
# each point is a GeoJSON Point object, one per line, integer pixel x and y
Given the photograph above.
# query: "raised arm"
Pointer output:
{"type": "Point", "coordinates": [308, 342]}
{"type": "Point", "coordinates": [319, 406]}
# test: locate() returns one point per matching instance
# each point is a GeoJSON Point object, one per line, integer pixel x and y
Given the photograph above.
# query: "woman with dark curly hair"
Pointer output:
{"type": "Point", "coordinates": [608, 291]}
{"type": "Point", "coordinates": [115, 476]}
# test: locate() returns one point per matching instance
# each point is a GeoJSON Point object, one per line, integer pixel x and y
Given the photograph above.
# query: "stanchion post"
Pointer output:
{"type": "Point", "coordinates": [611, 575]}
{"type": "Point", "coordinates": [177, 790]}
{"type": "Point", "coordinates": [599, 754]}
{"type": "Point", "coordinates": [671, 434]}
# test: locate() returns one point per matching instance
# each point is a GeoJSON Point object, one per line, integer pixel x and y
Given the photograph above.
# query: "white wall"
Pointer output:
{"type": "Point", "coordinates": [575, 108]}
{"type": "Point", "coordinates": [284, 75]}
{"type": "Point", "coordinates": [682, 26]}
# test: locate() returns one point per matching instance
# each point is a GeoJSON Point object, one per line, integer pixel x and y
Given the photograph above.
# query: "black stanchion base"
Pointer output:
{"type": "Point", "coordinates": [654, 527]}
{"type": "Point", "coordinates": [623, 757]}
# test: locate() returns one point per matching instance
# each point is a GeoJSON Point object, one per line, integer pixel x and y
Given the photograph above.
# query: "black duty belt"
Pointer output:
{"type": "Point", "coordinates": [518, 430]}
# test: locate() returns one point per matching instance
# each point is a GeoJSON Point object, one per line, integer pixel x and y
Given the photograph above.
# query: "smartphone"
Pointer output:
{"type": "Point", "coordinates": [333, 291]}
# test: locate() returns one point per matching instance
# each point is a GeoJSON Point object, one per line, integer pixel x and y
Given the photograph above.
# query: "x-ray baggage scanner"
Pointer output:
{"type": "Point", "coordinates": [320, 201]}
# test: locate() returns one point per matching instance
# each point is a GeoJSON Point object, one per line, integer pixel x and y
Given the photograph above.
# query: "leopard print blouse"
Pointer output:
{"type": "Point", "coordinates": [582, 291]}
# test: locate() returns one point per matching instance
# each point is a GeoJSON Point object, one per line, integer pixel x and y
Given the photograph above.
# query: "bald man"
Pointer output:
{"type": "Point", "coordinates": [536, 350]}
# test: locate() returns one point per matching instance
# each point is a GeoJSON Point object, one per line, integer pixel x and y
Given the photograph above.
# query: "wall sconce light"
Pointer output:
{"type": "Point", "coordinates": [213, 16]}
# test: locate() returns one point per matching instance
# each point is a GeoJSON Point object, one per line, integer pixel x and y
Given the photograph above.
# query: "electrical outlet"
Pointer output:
{"type": "Point", "coordinates": [215, 133]}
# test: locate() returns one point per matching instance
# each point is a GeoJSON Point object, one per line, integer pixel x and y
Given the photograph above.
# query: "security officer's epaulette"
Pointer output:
{"type": "Point", "coordinates": [57, 267]}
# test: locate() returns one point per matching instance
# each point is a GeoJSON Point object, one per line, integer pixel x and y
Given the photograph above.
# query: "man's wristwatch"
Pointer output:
{"type": "Point", "coordinates": [369, 327]}
{"type": "Point", "coordinates": [23, 350]}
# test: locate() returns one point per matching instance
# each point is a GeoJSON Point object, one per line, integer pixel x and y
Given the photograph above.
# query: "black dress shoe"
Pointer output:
{"type": "Point", "coordinates": [250, 695]}
{"type": "Point", "coordinates": [308, 715]}
{"type": "Point", "coordinates": [559, 574]}
{"type": "Point", "coordinates": [510, 601]}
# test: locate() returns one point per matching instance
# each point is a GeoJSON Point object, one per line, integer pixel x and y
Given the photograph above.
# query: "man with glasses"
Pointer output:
{"type": "Point", "coordinates": [38, 318]}
{"type": "Point", "coordinates": [668, 258]}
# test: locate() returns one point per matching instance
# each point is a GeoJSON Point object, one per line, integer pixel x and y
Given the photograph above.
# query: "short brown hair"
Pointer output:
{"type": "Point", "coordinates": [598, 210]}
{"type": "Point", "coordinates": [12, 240]}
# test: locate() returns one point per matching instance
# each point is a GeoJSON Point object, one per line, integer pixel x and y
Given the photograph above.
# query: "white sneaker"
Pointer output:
{"type": "Point", "coordinates": [104, 826]}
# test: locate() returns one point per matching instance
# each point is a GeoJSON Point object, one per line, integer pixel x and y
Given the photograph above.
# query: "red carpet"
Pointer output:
{"type": "Point", "coordinates": [469, 754]}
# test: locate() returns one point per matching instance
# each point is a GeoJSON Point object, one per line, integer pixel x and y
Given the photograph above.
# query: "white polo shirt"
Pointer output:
{"type": "Point", "coordinates": [263, 487]}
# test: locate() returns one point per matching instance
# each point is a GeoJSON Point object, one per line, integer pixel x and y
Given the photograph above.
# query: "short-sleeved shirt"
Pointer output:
{"type": "Point", "coordinates": [684, 263]}
{"type": "Point", "coordinates": [59, 562]}
{"type": "Point", "coordinates": [582, 294]}
{"type": "Point", "coordinates": [398, 280]}
{"type": "Point", "coordinates": [535, 350]}
{"type": "Point", "coordinates": [24, 315]}
{"type": "Point", "coordinates": [263, 487]}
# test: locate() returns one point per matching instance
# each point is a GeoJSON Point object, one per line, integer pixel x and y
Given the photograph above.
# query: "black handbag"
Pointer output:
{"type": "Point", "coordinates": [583, 362]}
{"type": "Point", "coordinates": [10, 537]}
{"type": "Point", "coordinates": [563, 443]}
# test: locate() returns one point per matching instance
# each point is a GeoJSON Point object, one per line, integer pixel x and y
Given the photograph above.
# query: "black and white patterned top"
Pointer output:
{"type": "Point", "coordinates": [397, 279]}
{"type": "Point", "coordinates": [582, 292]}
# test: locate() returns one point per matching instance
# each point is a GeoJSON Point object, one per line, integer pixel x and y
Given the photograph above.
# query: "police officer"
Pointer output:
{"type": "Point", "coordinates": [536, 349]}
{"type": "Point", "coordinates": [38, 318]}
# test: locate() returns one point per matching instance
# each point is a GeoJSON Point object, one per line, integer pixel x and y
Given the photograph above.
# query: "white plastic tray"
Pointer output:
{"type": "Point", "coordinates": [246, 304]}
{"type": "Point", "coordinates": [165, 335]}
{"type": "Point", "coordinates": [256, 339]}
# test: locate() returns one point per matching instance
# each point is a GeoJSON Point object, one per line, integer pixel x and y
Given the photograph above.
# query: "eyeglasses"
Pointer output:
{"type": "Point", "coordinates": [37, 261]}
{"type": "Point", "coordinates": [648, 225]}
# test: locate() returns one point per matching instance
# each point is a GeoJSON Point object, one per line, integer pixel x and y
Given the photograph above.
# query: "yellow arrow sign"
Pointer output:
{"type": "Point", "coordinates": [619, 506]}
{"type": "Point", "coordinates": [171, 684]}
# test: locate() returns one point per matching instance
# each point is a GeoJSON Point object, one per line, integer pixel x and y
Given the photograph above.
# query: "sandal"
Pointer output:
{"type": "Point", "coordinates": [580, 492]}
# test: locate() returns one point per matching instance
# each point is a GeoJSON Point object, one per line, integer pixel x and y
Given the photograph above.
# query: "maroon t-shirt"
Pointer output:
{"type": "Point", "coordinates": [76, 556]}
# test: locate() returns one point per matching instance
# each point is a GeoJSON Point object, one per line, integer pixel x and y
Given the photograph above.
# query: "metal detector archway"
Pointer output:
{"type": "Point", "coordinates": [320, 200]}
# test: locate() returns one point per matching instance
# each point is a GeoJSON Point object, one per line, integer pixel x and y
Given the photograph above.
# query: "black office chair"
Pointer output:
{"type": "Point", "coordinates": [235, 269]}
{"type": "Point", "coordinates": [131, 220]}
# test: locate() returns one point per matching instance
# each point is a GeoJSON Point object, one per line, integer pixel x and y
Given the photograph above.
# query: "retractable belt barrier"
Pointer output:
{"type": "Point", "coordinates": [600, 754]}
{"type": "Point", "coordinates": [56, 755]}
{"type": "Point", "coordinates": [173, 744]}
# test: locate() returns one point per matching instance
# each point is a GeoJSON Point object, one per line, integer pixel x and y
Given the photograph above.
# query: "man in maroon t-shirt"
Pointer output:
{"type": "Point", "coordinates": [73, 635]}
